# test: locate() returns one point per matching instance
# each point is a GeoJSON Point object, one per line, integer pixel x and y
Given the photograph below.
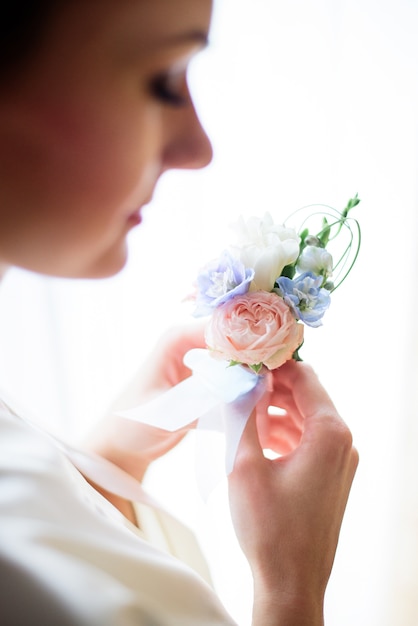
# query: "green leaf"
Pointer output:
{"type": "Point", "coordinates": [288, 271]}
{"type": "Point", "coordinates": [325, 233]}
{"type": "Point", "coordinates": [296, 356]}
{"type": "Point", "coordinates": [351, 204]}
{"type": "Point", "coordinates": [256, 368]}
{"type": "Point", "coordinates": [302, 245]}
{"type": "Point", "coordinates": [303, 235]}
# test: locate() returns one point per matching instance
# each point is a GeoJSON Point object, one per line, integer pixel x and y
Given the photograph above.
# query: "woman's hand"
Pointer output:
{"type": "Point", "coordinates": [132, 445]}
{"type": "Point", "coordinates": [287, 513]}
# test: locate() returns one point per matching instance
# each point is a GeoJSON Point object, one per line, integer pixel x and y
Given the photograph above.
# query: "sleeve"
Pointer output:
{"type": "Point", "coordinates": [67, 558]}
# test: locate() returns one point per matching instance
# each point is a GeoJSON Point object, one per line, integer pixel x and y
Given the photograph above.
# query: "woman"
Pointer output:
{"type": "Point", "coordinates": [94, 108]}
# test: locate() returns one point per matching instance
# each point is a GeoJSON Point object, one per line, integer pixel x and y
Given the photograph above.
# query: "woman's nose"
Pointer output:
{"type": "Point", "coordinates": [189, 146]}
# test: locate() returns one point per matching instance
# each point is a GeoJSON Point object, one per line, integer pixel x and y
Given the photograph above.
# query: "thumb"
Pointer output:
{"type": "Point", "coordinates": [249, 448]}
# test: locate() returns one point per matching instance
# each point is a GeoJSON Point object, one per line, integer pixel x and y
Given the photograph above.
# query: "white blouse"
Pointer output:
{"type": "Point", "coordinates": [68, 557]}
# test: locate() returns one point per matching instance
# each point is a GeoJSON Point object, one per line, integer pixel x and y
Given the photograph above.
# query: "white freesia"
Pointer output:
{"type": "Point", "coordinates": [266, 247]}
{"type": "Point", "coordinates": [317, 260]}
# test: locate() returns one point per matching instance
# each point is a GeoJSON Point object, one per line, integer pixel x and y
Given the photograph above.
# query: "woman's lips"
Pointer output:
{"type": "Point", "coordinates": [135, 218]}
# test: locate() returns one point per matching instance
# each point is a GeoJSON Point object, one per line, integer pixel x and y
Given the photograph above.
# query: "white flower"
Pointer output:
{"type": "Point", "coordinates": [266, 247]}
{"type": "Point", "coordinates": [316, 260]}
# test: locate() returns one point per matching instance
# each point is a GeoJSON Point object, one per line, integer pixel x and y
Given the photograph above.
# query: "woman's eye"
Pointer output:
{"type": "Point", "coordinates": [165, 89]}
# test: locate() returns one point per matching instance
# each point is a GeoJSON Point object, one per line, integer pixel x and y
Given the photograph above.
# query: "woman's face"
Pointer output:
{"type": "Point", "coordinates": [100, 113]}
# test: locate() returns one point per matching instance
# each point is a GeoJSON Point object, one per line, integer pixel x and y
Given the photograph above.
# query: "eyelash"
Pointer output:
{"type": "Point", "coordinates": [161, 90]}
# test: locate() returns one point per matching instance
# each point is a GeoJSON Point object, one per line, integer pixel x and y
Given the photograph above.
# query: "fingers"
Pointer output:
{"type": "Point", "coordinates": [326, 447]}
{"type": "Point", "coordinates": [182, 338]}
{"type": "Point", "coordinates": [279, 420]}
{"type": "Point", "coordinates": [309, 418]}
{"type": "Point", "coordinates": [297, 389]}
{"type": "Point", "coordinates": [278, 432]}
{"type": "Point", "coordinates": [284, 400]}
{"type": "Point", "coordinates": [310, 396]}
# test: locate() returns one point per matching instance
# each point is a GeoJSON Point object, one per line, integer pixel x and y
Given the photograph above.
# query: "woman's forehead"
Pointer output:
{"type": "Point", "coordinates": [151, 20]}
{"type": "Point", "coordinates": [85, 32]}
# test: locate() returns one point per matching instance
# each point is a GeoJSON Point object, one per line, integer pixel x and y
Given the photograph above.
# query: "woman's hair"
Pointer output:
{"type": "Point", "coordinates": [22, 24]}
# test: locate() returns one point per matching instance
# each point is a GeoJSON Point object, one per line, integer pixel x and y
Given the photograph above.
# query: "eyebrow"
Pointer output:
{"type": "Point", "coordinates": [196, 37]}
{"type": "Point", "coordinates": [193, 36]}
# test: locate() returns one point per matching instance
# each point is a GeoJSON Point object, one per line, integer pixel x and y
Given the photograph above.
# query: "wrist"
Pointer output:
{"type": "Point", "coordinates": [116, 444]}
{"type": "Point", "coordinates": [278, 605]}
{"type": "Point", "coordinates": [121, 457]}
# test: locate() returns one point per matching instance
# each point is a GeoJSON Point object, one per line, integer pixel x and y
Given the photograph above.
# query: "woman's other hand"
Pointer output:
{"type": "Point", "coordinates": [132, 445]}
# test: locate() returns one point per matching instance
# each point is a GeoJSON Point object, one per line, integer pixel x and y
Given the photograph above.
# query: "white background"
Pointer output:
{"type": "Point", "coordinates": [305, 102]}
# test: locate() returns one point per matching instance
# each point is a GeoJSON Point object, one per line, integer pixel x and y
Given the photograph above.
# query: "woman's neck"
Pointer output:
{"type": "Point", "coordinates": [3, 270]}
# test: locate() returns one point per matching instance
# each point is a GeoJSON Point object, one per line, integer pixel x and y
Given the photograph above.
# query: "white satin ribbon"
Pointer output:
{"type": "Point", "coordinates": [219, 396]}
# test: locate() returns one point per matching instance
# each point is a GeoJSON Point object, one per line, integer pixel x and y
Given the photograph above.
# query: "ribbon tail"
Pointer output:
{"type": "Point", "coordinates": [236, 415]}
{"type": "Point", "coordinates": [231, 419]}
{"type": "Point", "coordinates": [210, 451]}
{"type": "Point", "coordinates": [175, 408]}
{"type": "Point", "coordinates": [209, 459]}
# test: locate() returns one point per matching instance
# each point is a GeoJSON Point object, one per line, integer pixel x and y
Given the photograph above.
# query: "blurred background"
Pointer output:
{"type": "Point", "coordinates": [305, 102]}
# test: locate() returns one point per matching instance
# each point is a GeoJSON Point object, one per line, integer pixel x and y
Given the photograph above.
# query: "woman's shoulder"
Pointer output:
{"type": "Point", "coordinates": [36, 479]}
{"type": "Point", "coordinates": [22, 447]}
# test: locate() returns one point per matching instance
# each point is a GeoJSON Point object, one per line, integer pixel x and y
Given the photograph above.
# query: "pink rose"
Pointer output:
{"type": "Point", "coordinates": [254, 328]}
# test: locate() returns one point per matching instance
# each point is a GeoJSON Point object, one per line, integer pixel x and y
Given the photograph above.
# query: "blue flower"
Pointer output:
{"type": "Point", "coordinates": [219, 281]}
{"type": "Point", "coordinates": [305, 296]}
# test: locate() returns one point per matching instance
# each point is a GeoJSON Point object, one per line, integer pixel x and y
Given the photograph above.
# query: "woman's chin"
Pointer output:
{"type": "Point", "coordinates": [73, 266]}
{"type": "Point", "coordinates": [107, 266]}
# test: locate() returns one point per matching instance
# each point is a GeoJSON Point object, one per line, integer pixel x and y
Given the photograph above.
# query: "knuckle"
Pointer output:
{"type": "Point", "coordinates": [336, 437]}
{"type": "Point", "coordinates": [355, 458]}
{"type": "Point", "coordinates": [344, 436]}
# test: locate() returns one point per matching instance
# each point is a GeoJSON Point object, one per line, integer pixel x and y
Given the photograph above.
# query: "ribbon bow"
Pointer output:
{"type": "Point", "coordinates": [220, 397]}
